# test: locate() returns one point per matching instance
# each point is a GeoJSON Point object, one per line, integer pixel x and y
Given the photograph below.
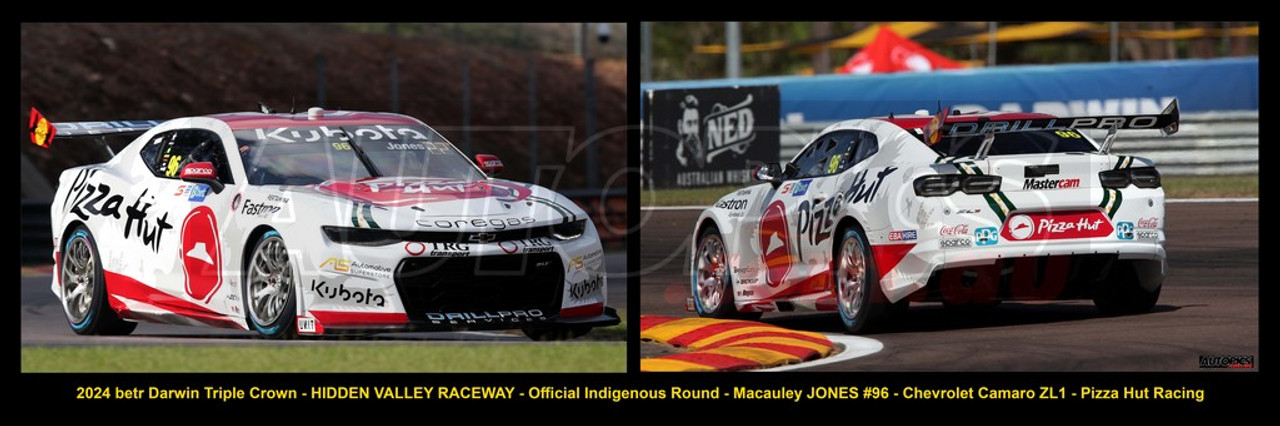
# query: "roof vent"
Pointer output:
{"type": "Point", "coordinates": [315, 113]}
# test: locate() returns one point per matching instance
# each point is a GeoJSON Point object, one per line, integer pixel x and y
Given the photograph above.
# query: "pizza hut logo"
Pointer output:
{"type": "Point", "coordinates": [1055, 226]}
{"type": "Point", "coordinates": [201, 254]}
{"type": "Point", "coordinates": [725, 129]}
{"type": "Point", "coordinates": [775, 243]}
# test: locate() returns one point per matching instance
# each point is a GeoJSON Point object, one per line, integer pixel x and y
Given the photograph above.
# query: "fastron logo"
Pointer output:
{"type": "Point", "coordinates": [775, 243]}
{"type": "Point", "coordinates": [1053, 226]}
{"type": "Point", "coordinates": [202, 254]}
{"type": "Point", "coordinates": [725, 129]}
{"type": "Point", "coordinates": [1039, 184]}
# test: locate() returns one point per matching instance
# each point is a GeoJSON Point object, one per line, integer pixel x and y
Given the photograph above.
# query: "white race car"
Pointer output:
{"type": "Point", "coordinates": [318, 222]}
{"type": "Point", "coordinates": [968, 209]}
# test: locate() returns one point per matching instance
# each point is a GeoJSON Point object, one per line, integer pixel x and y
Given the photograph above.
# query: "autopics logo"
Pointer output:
{"type": "Point", "coordinates": [1226, 361]}
{"type": "Point", "coordinates": [725, 129]}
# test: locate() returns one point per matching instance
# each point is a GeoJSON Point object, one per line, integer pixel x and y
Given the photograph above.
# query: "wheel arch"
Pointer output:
{"type": "Point", "coordinates": [250, 243]}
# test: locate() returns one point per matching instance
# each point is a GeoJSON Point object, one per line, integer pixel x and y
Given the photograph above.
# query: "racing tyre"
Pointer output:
{"type": "Point", "coordinates": [84, 290]}
{"type": "Point", "coordinates": [858, 300]}
{"type": "Point", "coordinates": [1121, 293]}
{"type": "Point", "coordinates": [711, 283]}
{"type": "Point", "coordinates": [552, 334]}
{"type": "Point", "coordinates": [270, 289]}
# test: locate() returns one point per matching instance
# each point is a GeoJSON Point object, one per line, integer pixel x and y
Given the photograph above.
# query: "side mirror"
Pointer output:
{"type": "Point", "coordinates": [489, 163]}
{"type": "Point", "coordinates": [769, 172]}
{"type": "Point", "coordinates": [202, 172]}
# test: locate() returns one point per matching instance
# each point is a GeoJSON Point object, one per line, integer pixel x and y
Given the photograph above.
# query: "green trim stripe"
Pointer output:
{"type": "Point", "coordinates": [1115, 207]}
{"type": "Point", "coordinates": [355, 221]}
{"type": "Point", "coordinates": [368, 216]}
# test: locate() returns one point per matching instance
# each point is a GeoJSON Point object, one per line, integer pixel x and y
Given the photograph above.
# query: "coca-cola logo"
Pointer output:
{"type": "Point", "coordinates": [1149, 222]}
{"type": "Point", "coordinates": [961, 229]}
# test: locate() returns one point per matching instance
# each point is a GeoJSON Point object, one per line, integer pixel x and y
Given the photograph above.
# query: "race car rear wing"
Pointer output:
{"type": "Point", "coordinates": [42, 131]}
{"type": "Point", "coordinates": [1166, 121]}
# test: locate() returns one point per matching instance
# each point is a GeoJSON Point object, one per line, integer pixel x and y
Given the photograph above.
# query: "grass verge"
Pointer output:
{"type": "Point", "coordinates": [1228, 186]}
{"type": "Point", "coordinates": [571, 357]}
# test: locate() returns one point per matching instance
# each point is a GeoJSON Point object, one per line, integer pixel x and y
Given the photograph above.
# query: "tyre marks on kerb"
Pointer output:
{"type": "Point", "coordinates": [854, 347]}
{"type": "Point", "coordinates": [726, 345]}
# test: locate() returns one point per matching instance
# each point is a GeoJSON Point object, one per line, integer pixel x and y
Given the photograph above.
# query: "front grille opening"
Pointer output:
{"type": "Point", "coordinates": [480, 284]}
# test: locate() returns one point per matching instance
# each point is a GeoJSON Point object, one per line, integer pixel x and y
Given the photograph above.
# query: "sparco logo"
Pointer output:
{"type": "Point", "coordinates": [579, 291]}
{"type": "Point", "coordinates": [486, 317]}
{"type": "Point", "coordinates": [1051, 183]}
{"type": "Point", "coordinates": [323, 289]}
{"type": "Point", "coordinates": [726, 128]}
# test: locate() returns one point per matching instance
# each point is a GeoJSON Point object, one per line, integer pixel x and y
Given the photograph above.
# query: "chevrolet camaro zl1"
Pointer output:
{"type": "Point", "coordinates": [966, 209]}
{"type": "Point", "coordinates": [317, 222]}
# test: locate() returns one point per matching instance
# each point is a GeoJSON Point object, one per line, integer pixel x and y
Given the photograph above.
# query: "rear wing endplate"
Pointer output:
{"type": "Point", "coordinates": [42, 131]}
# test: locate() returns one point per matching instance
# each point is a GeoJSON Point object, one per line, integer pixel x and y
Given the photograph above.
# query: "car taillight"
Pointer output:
{"type": "Point", "coordinates": [983, 184]}
{"type": "Point", "coordinates": [944, 185]}
{"type": "Point", "coordinates": [1114, 178]}
{"type": "Point", "coordinates": [1142, 177]}
{"type": "Point", "coordinates": [1145, 177]}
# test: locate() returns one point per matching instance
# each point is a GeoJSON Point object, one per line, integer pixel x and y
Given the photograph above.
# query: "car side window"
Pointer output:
{"type": "Point", "coordinates": [167, 153]}
{"type": "Point", "coordinates": [868, 145]}
{"type": "Point", "coordinates": [829, 154]}
{"type": "Point", "coordinates": [151, 151]}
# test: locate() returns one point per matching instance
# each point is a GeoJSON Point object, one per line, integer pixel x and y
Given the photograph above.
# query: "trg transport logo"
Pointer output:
{"type": "Point", "coordinates": [725, 129]}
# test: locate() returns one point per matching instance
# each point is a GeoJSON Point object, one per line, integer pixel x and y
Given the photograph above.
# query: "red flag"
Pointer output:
{"type": "Point", "coordinates": [889, 52]}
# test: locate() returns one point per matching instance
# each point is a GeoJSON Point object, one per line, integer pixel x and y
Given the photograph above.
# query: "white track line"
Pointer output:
{"type": "Point", "coordinates": [1212, 200]}
{"type": "Point", "coordinates": [854, 347]}
{"type": "Point", "coordinates": [1170, 201]}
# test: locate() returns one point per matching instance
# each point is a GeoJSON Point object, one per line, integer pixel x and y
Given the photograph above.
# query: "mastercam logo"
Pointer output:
{"type": "Point", "coordinates": [1040, 184]}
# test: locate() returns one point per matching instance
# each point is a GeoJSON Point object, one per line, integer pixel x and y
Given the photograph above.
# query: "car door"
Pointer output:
{"type": "Point", "coordinates": [817, 203]}
{"type": "Point", "coordinates": [195, 264]}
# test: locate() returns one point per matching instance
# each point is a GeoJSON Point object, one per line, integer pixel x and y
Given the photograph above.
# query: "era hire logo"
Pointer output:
{"type": "Point", "coordinates": [1053, 226]}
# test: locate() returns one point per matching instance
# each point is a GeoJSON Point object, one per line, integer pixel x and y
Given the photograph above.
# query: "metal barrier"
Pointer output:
{"type": "Point", "coordinates": [1212, 143]}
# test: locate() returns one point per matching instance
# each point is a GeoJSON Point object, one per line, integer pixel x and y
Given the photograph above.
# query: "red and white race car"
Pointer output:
{"type": "Point", "coordinates": [313, 223]}
{"type": "Point", "coordinates": [968, 209]}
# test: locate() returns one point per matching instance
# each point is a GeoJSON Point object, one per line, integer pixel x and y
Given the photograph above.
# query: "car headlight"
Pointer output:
{"type": "Point", "coordinates": [569, 231]}
{"type": "Point", "coordinates": [360, 236]}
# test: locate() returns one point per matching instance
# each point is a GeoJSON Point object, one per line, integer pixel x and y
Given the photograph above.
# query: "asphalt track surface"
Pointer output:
{"type": "Point", "coordinates": [44, 323]}
{"type": "Point", "coordinates": [1208, 306]}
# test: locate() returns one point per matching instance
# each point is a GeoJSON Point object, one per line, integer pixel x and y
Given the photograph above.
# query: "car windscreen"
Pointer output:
{"type": "Point", "coordinates": [1032, 142]}
{"type": "Point", "coordinates": [307, 155]}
